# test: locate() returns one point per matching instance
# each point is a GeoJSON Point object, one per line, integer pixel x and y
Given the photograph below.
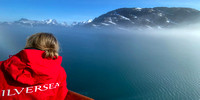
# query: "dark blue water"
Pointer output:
{"type": "Point", "coordinates": [123, 65]}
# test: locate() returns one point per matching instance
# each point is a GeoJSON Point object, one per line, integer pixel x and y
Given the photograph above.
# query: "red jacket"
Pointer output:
{"type": "Point", "coordinates": [28, 76]}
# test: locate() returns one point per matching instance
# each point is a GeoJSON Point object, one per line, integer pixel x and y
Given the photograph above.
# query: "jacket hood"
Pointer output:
{"type": "Point", "coordinates": [30, 68]}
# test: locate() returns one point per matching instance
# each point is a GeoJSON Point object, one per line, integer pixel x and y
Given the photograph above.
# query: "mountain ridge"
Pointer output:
{"type": "Point", "coordinates": [157, 17]}
{"type": "Point", "coordinates": [147, 17]}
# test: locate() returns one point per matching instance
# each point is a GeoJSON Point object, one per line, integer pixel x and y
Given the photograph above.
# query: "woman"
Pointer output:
{"type": "Point", "coordinates": [34, 73]}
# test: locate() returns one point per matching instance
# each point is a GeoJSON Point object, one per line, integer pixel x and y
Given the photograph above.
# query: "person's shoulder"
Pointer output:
{"type": "Point", "coordinates": [62, 71]}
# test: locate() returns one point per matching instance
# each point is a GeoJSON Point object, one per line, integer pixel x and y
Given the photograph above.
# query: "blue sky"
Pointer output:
{"type": "Point", "coordinates": [77, 10]}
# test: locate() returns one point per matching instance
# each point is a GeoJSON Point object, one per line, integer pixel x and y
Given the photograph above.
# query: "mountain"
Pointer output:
{"type": "Point", "coordinates": [158, 17]}
{"type": "Point", "coordinates": [48, 22]}
{"type": "Point", "coordinates": [32, 23]}
{"type": "Point", "coordinates": [81, 23]}
{"type": "Point", "coordinates": [24, 21]}
{"type": "Point", "coordinates": [147, 17]}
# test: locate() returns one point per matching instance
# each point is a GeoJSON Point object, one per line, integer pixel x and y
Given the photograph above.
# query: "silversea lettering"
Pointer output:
{"type": "Point", "coordinates": [31, 89]}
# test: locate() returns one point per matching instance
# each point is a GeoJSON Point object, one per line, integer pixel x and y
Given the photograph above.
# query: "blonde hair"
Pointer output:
{"type": "Point", "coordinates": [46, 42]}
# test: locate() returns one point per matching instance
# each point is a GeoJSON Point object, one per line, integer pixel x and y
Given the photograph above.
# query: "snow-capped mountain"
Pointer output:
{"type": "Point", "coordinates": [24, 21]}
{"type": "Point", "coordinates": [81, 23]}
{"type": "Point", "coordinates": [48, 22]}
{"type": "Point", "coordinates": [147, 17]}
{"type": "Point", "coordinates": [32, 23]}
{"type": "Point", "coordinates": [51, 21]}
{"type": "Point", "coordinates": [158, 17]}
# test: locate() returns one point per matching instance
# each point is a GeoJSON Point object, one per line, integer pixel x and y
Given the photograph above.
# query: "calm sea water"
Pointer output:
{"type": "Point", "coordinates": [123, 66]}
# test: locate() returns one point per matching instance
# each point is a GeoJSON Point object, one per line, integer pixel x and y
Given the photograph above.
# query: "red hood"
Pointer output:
{"type": "Point", "coordinates": [29, 67]}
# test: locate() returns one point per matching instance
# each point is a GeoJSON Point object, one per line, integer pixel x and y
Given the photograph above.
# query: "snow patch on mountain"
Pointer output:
{"type": "Point", "coordinates": [138, 9]}
{"type": "Point", "coordinates": [105, 24]}
{"type": "Point", "coordinates": [50, 21]}
{"type": "Point", "coordinates": [125, 18]}
{"type": "Point", "coordinates": [112, 22]}
{"type": "Point", "coordinates": [160, 14]}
